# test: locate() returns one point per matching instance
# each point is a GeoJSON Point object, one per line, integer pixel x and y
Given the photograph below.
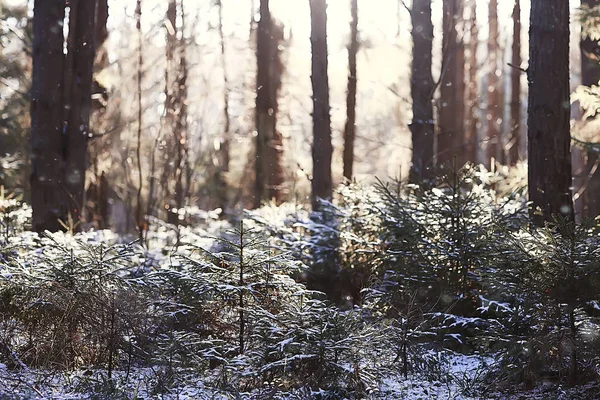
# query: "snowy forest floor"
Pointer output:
{"type": "Point", "coordinates": [157, 383]}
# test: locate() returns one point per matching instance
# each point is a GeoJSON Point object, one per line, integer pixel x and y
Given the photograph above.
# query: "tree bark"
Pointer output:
{"type": "Point", "coordinates": [549, 111]}
{"type": "Point", "coordinates": [141, 226]}
{"type": "Point", "coordinates": [169, 156]}
{"type": "Point", "coordinates": [322, 149]}
{"type": "Point", "coordinates": [276, 178]}
{"type": "Point", "coordinates": [350, 127]}
{"type": "Point", "coordinates": [78, 102]}
{"type": "Point", "coordinates": [514, 143]}
{"type": "Point", "coordinates": [180, 128]}
{"type": "Point", "coordinates": [265, 118]}
{"type": "Point", "coordinates": [101, 33]}
{"type": "Point", "coordinates": [167, 123]}
{"type": "Point", "coordinates": [451, 135]}
{"type": "Point", "coordinates": [268, 160]}
{"type": "Point", "coordinates": [472, 117]}
{"type": "Point", "coordinates": [96, 206]}
{"type": "Point", "coordinates": [422, 87]}
{"type": "Point", "coordinates": [47, 138]}
{"type": "Point", "coordinates": [223, 152]}
{"type": "Point", "coordinates": [60, 112]}
{"type": "Point", "coordinates": [494, 145]}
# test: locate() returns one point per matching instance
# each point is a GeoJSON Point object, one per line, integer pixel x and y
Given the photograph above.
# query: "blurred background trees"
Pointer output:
{"type": "Point", "coordinates": [239, 103]}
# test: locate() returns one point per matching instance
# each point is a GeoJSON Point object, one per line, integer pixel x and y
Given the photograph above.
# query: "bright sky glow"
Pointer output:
{"type": "Point", "coordinates": [378, 16]}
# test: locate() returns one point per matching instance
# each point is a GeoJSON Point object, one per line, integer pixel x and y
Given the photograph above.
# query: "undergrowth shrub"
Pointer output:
{"type": "Point", "coordinates": [438, 240]}
{"type": "Point", "coordinates": [552, 275]}
{"type": "Point", "coordinates": [418, 257]}
{"type": "Point", "coordinates": [239, 313]}
{"type": "Point", "coordinates": [70, 304]}
{"type": "Point", "coordinates": [339, 242]}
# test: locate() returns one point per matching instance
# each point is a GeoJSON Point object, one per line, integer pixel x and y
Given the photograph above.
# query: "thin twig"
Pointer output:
{"type": "Point", "coordinates": [517, 67]}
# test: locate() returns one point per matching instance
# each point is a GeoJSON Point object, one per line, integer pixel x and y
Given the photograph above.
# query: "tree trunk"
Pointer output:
{"type": "Point", "coordinates": [494, 144]}
{"type": "Point", "coordinates": [265, 118]}
{"type": "Point", "coordinates": [451, 136]}
{"type": "Point", "coordinates": [47, 139]}
{"type": "Point", "coordinates": [472, 118]}
{"type": "Point", "coordinates": [101, 61]}
{"type": "Point", "coordinates": [350, 127]}
{"type": "Point", "coordinates": [590, 75]}
{"type": "Point", "coordinates": [276, 177]}
{"type": "Point", "coordinates": [141, 226]}
{"type": "Point", "coordinates": [95, 209]}
{"type": "Point", "coordinates": [223, 153]}
{"type": "Point", "coordinates": [60, 112]}
{"type": "Point", "coordinates": [548, 114]}
{"type": "Point", "coordinates": [168, 155]}
{"type": "Point", "coordinates": [499, 114]}
{"type": "Point", "coordinates": [101, 33]}
{"type": "Point", "coordinates": [514, 143]}
{"type": "Point", "coordinates": [78, 102]}
{"type": "Point", "coordinates": [322, 184]}
{"type": "Point", "coordinates": [163, 190]}
{"type": "Point", "coordinates": [422, 87]}
{"type": "Point", "coordinates": [180, 128]}
{"type": "Point", "coordinates": [265, 106]}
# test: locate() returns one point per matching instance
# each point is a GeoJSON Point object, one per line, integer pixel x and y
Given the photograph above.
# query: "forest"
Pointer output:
{"type": "Point", "coordinates": [299, 199]}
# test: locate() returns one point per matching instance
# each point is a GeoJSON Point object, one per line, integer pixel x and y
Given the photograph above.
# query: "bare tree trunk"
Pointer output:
{"type": "Point", "coordinates": [80, 101]}
{"type": "Point", "coordinates": [494, 144]}
{"type": "Point", "coordinates": [225, 142]}
{"type": "Point", "coordinates": [268, 170]}
{"type": "Point", "coordinates": [47, 164]}
{"type": "Point", "coordinates": [350, 128]}
{"type": "Point", "coordinates": [96, 200]}
{"type": "Point", "coordinates": [276, 179]}
{"type": "Point", "coordinates": [140, 209]}
{"type": "Point", "coordinates": [473, 87]}
{"type": "Point", "coordinates": [168, 157]}
{"type": "Point", "coordinates": [322, 183]}
{"type": "Point", "coordinates": [460, 83]}
{"type": "Point", "coordinates": [60, 120]}
{"type": "Point", "coordinates": [422, 87]}
{"type": "Point", "coordinates": [102, 206]}
{"type": "Point", "coordinates": [451, 136]}
{"type": "Point", "coordinates": [181, 139]}
{"type": "Point", "coordinates": [514, 143]}
{"type": "Point", "coordinates": [590, 75]}
{"type": "Point", "coordinates": [101, 19]}
{"type": "Point", "coordinates": [503, 137]}
{"type": "Point", "coordinates": [265, 116]}
{"type": "Point", "coordinates": [548, 118]}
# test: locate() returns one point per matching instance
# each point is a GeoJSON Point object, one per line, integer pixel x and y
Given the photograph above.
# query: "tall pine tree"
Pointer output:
{"type": "Point", "coordinates": [60, 111]}
{"type": "Point", "coordinates": [322, 149]}
{"type": "Point", "coordinates": [422, 88]}
{"type": "Point", "coordinates": [548, 116]}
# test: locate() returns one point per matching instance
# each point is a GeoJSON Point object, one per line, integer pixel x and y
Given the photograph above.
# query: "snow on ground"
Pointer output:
{"type": "Point", "coordinates": [460, 374]}
{"type": "Point", "coordinates": [157, 383]}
